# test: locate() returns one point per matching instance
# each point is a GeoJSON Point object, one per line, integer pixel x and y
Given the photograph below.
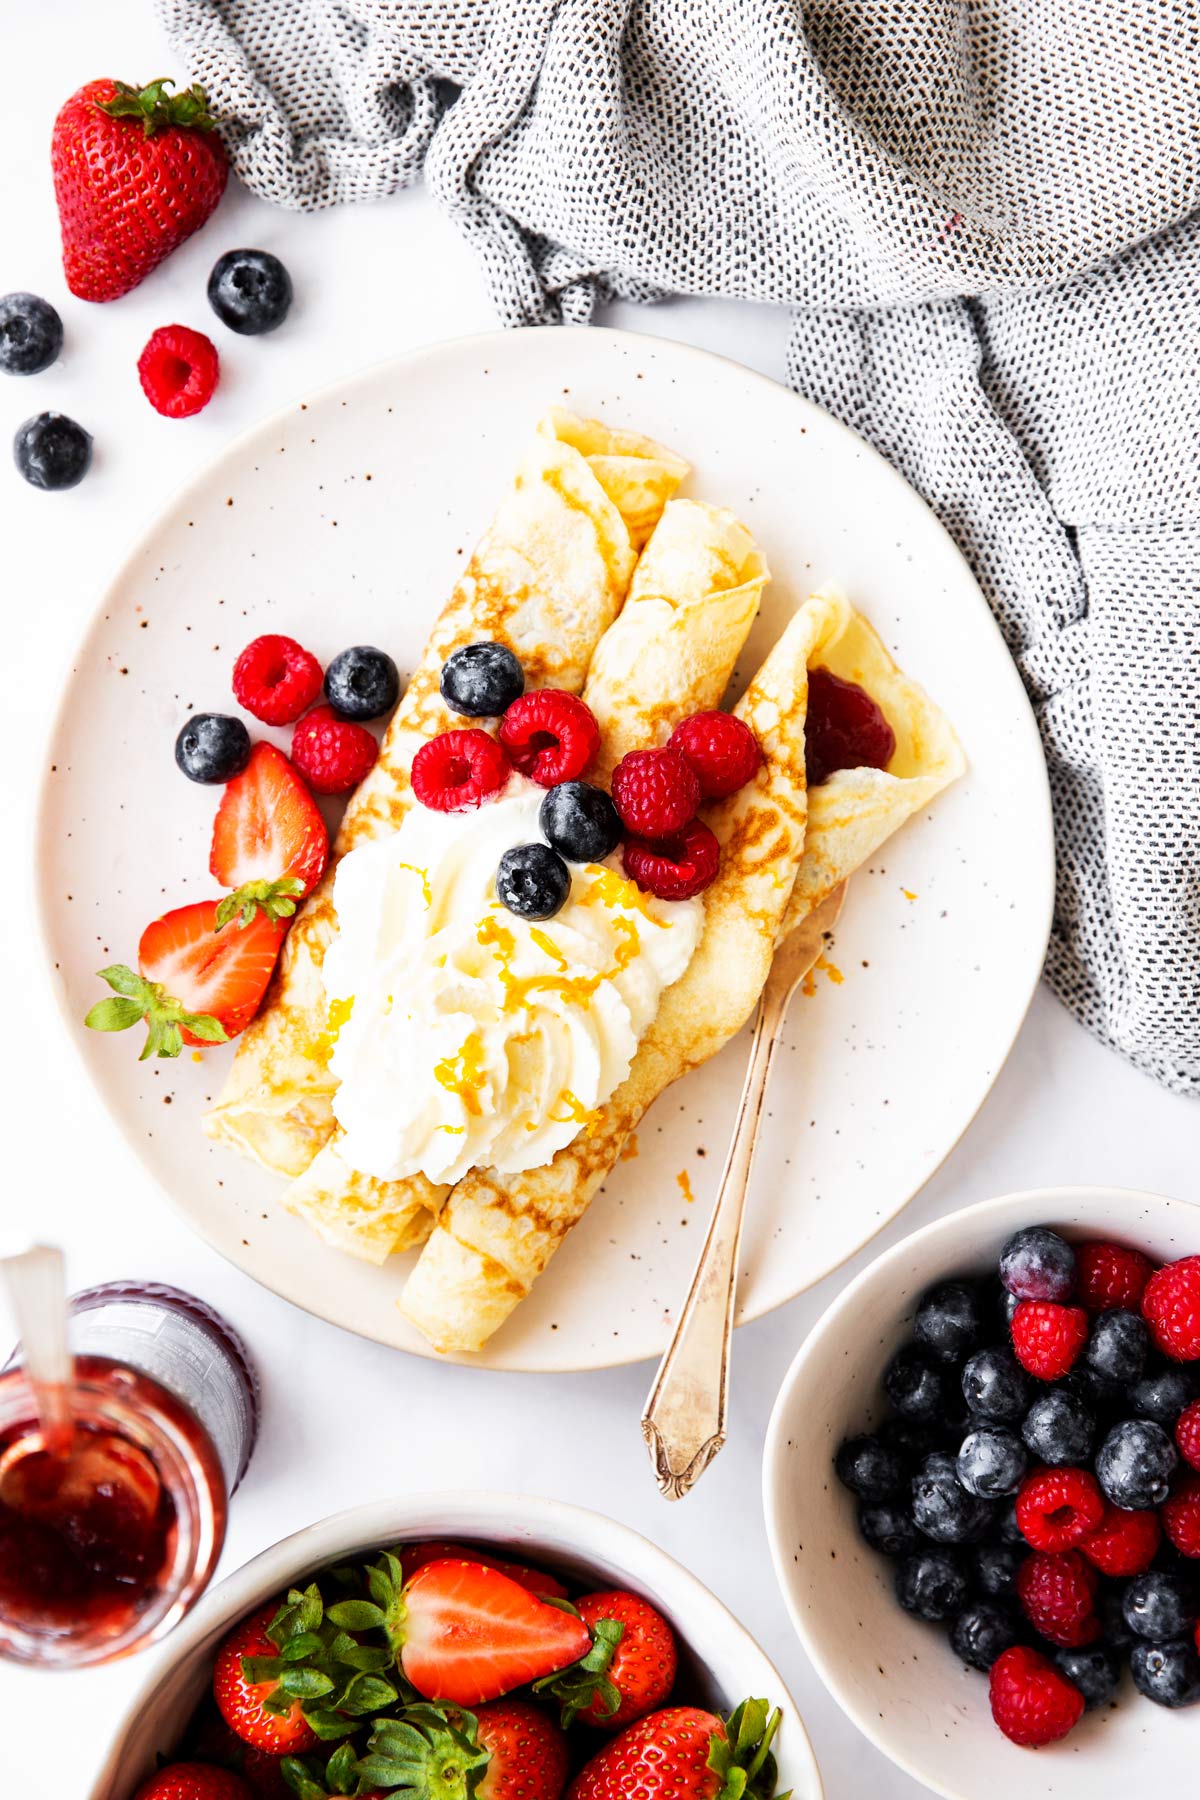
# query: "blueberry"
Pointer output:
{"type": "Point", "coordinates": [52, 451]}
{"type": "Point", "coordinates": [1098, 1394]}
{"type": "Point", "coordinates": [1095, 1671]}
{"type": "Point", "coordinates": [1007, 1529]}
{"type": "Point", "coordinates": [1168, 1674]}
{"type": "Point", "coordinates": [1159, 1605]}
{"type": "Point", "coordinates": [1162, 1393]}
{"type": "Point", "coordinates": [533, 881]}
{"type": "Point", "coordinates": [912, 1439]}
{"type": "Point", "coordinates": [932, 1584]}
{"type": "Point", "coordinates": [212, 747]}
{"type": "Point", "coordinates": [31, 334]}
{"type": "Point", "coordinates": [1111, 1608]}
{"type": "Point", "coordinates": [1117, 1346]}
{"type": "Point", "coordinates": [362, 682]}
{"type": "Point", "coordinates": [580, 821]}
{"type": "Point", "coordinates": [888, 1528]}
{"type": "Point", "coordinates": [991, 1462]}
{"type": "Point", "coordinates": [1037, 1264]}
{"type": "Point", "coordinates": [913, 1385]}
{"type": "Point", "coordinates": [995, 1385]}
{"type": "Point", "coordinates": [982, 1632]}
{"type": "Point", "coordinates": [1059, 1428]}
{"type": "Point", "coordinates": [1135, 1463]}
{"type": "Point", "coordinates": [996, 1568]}
{"type": "Point", "coordinates": [869, 1469]}
{"type": "Point", "coordinates": [250, 291]}
{"type": "Point", "coordinates": [482, 680]}
{"type": "Point", "coordinates": [942, 1507]}
{"type": "Point", "coordinates": [948, 1322]}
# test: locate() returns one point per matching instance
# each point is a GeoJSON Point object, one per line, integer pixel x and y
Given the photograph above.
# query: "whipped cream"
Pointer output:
{"type": "Point", "coordinates": [464, 1036]}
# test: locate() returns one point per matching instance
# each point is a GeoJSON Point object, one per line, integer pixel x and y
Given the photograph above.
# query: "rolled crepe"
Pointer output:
{"type": "Point", "coordinates": [547, 579]}
{"type": "Point", "coordinates": [496, 1234]}
{"type": "Point", "coordinates": [693, 599]}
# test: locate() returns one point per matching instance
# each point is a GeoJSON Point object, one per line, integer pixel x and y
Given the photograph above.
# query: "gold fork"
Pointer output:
{"type": "Point", "coordinates": [684, 1420]}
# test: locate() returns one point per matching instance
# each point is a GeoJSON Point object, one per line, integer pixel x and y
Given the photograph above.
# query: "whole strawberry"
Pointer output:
{"type": "Point", "coordinates": [630, 1669]}
{"type": "Point", "coordinates": [685, 1753]}
{"type": "Point", "coordinates": [193, 1781]}
{"type": "Point", "coordinates": [136, 172]}
{"type": "Point", "coordinates": [528, 1752]}
{"type": "Point", "coordinates": [249, 1699]}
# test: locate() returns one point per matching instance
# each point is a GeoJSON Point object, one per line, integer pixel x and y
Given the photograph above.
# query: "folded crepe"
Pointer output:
{"type": "Point", "coordinates": [671, 651]}
{"type": "Point", "coordinates": [496, 1234]}
{"type": "Point", "coordinates": [547, 579]}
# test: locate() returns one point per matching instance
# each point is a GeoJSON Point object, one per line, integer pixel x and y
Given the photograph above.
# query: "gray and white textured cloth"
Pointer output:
{"type": "Point", "coordinates": [983, 215]}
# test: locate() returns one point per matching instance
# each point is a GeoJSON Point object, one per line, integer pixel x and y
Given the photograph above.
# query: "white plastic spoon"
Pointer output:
{"type": "Point", "coordinates": [37, 1289]}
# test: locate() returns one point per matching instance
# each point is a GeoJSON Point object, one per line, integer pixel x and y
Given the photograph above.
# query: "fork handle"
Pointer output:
{"type": "Point", "coordinates": [684, 1420]}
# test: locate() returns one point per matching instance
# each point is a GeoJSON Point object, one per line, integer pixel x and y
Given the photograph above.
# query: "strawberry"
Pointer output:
{"type": "Point", "coordinates": [199, 984]}
{"type": "Point", "coordinates": [306, 1778]}
{"type": "Point", "coordinates": [463, 1632]}
{"type": "Point", "coordinates": [269, 840]}
{"type": "Point", "coordinates": [135, 174]}
{"type": "Point", "coordinates": [630, 1668]}
{"type": "Point", "coordinates": [685, 1753]}
{"type": "Point", "coordinates": [193, 1781]}
{"type": "Point", "coordinates": [415, 1556]}
{"type": "Point", "coordinates": [528, 1752]}
{"type": "Point", "coordinates": [508, 1750]}
{"type": "Point", "coordinates": [247, 1678]}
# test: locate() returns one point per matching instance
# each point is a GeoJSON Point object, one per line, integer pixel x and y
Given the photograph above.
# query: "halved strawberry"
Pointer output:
{"type": "Point", "coordinates": [198, 984]}
{"type": "Point", "coordinates": [415, 1556]}
{"type": "Point", "coordinates": [269, 840]}
{"type": "Point", "coordinates": [464, 1633]}
{"type": "Point", "coordinates": [258, 1710]}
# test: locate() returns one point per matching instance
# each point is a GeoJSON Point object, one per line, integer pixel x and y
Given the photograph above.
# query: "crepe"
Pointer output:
{"type": "Point", "coordinates": [693, 598]}
{"type": "Point", "coordinates": [548, 577]}
{"type": "Point", "coordinates": [496, 1234]}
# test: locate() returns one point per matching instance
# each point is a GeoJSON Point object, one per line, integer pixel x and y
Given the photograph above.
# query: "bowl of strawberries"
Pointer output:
{"type": "Point", "coordinates": [982, 1487]}
{"type": "Point", "coordinates": [454, 1645]}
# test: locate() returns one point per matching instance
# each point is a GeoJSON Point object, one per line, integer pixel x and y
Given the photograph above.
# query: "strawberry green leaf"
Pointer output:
{"type": "Point", "coordinates": [123, 980]}
{"type": "Point", "coordinates": [742, 1758]}
{"type": "Point", "coordinates": [154, 108]}
{"type": "Point", "coordinates": [358, 1615]}
{"type": "Point", "coordinates": [330, 1725]}
{"type": "Point", "coordinates": [588, 1679]}
{"type": "Point", "coordinates": [305, 1643]}
{"type": "Point", "coordinates": [367, 1694]}
{"type": "Point", "coordinates": [274, 899]}
{"type": "Point", "coordinates": [117, 1013]}
{"type": "Point", "coordinates": [305, 1684]}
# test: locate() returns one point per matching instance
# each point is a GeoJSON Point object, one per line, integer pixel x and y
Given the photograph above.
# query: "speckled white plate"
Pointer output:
{"type": "Point", "coordinates": [346, 520]}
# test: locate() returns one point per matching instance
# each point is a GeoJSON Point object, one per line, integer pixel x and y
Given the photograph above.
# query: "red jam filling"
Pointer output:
{"type": "Point", "coordinates": [845, 728]}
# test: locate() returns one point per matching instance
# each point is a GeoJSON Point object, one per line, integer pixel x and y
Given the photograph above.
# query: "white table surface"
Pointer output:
{"type": "Point", "coordinates": [370, 282]}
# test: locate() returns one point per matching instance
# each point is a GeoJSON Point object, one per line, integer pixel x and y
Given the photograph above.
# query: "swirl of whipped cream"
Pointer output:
{"type": "Point", "coordinates": [464, 1036]}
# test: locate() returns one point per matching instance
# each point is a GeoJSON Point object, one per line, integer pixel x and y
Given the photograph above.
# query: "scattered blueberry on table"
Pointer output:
{"type": "Point", "coordinates": [52, 452]}
{"type": "Point", "coordinates": [31, 334]}
{"type": "Point", "coordinates": [1036, 1482]}
{"type": "Point", "coordinates": [250, 291]}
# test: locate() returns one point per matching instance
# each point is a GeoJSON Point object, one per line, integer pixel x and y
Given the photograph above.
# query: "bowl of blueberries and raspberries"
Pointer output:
{"type": "Point", "coordinates": [982, 1486]}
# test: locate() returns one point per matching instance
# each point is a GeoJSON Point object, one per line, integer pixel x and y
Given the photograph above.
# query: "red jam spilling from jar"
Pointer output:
{"type": "Point", "coordinates": [845, 728]}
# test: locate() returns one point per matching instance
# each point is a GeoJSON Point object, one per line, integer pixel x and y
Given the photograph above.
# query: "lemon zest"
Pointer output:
{"type": "Point", "coordinates": [464, 1073]}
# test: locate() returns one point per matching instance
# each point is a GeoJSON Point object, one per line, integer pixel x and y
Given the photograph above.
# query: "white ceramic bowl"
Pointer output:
{"type": "Point", "coordinates": [723, 1663]}
{"type": "Point", "coordinates": [897, 1678]}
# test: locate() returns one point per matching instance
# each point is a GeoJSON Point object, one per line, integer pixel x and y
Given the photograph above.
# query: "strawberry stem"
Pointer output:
{"type": "Point", "coordinates": [275, 899]}
{"type": "Point", "coordinates": [157, 109]}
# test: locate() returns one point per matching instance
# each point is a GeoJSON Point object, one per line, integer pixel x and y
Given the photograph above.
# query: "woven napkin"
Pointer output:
{"type": "Point", "coordinates": [982, 215]}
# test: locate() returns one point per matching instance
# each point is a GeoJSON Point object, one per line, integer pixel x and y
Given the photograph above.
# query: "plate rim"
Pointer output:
{"type": "Point", "coordinates": [1041, 832]}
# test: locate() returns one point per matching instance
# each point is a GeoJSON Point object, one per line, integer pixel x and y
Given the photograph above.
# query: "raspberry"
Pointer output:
{"type": "Point", "coordinates": [1181, 1516]}
{"type": "Point", "coordinates": [550, 736]}
{"type": "Point", "coordinates": [1058, 1507]}
{"type": "Point", "coordinates": [1031, 1702]}
{"type": "Point", "coordinates": [1058, 1597]}
{"type": "Point", "coordinates": [1109, 1275]}
{"type": "Point", "coordinates": [1047, 1338]}
{"type": "Point", "coordinates": [276, 679]}
{"type": "Point", "coordinates": [1123, 1543]}
{"type": "Point", "coordinates": [1171, 1308]}
{"type": "Point", "coordinates": [677, 867]}
{"type": "Point", "coordinates": [1187, 1434]}
{"type": "Point", "coordinates": [655, 792]}
{"type": "Point", "coordinates": [332, 754]}
{"type": "Point", "coordinates": [458, 770]}
{"type": "Point", "coordinates": [178, 370]}
{"type": "Point", "coordinates": [721, 748]}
